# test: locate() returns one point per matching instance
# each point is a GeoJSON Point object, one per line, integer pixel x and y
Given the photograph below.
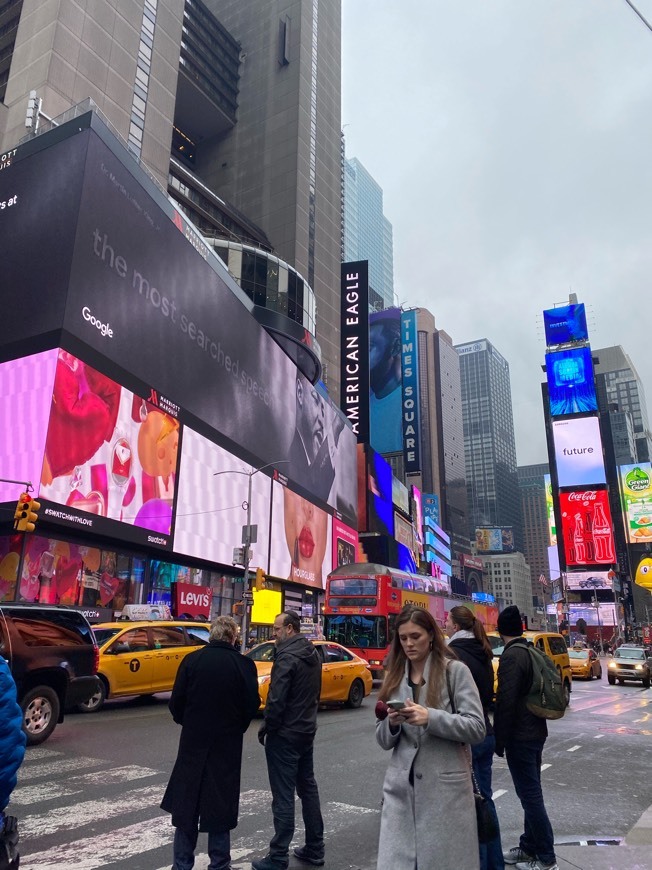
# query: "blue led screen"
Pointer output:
{"type": "Point", "coordinates": [566, 323]}
{"type": "Point", "coordinates": [571, 387]}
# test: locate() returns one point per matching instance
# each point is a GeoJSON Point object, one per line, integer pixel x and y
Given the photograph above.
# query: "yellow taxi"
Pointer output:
{"type": "Point", "coordinates": [142, 658]}
{"type": "Point", "coordinates": [584, 664]}
{"type": "Point", "coordinates": [345, 677]}
{"type": "Point", "coordinates": [550, 643]}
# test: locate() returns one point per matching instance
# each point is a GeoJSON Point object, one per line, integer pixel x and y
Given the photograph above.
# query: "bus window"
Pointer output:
{"type": "Point", "coordinates": [353, 586]}
{"type": "Point", "coordinates": [361, 632]}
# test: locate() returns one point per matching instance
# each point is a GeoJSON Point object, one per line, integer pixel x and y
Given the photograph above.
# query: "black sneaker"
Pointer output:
{"type": "Point", "coordinates": [302, 854]}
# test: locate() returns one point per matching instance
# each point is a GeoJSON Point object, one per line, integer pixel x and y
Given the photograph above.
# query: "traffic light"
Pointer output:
{"type": "Point", "coordinates": [260, 581]}
{"type": "Point", "coordinates": [26, 513]}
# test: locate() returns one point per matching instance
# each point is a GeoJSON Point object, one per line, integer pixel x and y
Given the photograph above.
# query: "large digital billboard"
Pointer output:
{"type": "Point", "coordinates": [354, 346]}
{"type": "Point", "coordinates": [495, 539]}
{"type": "Point", "coordinates": [345, 544]}
{"type": "Point", "coordinates": [126, 282]}
{"type": "Point", "coordinates": [550, 510]}
{"type": "Point", "coordinates": [411, 409]}
{"type": "Point", "coordinates": [588, 581]}
{"type": "Point", "coordinates": [25, 399]}
{"type": "Point", "coordinates": [301, 549]}
{"type": "Point", "coordinates": [211, 503]}
{"type": "Point", "coordinates": [385, 381]}
{"type": "Point", "coordinates": [565, 324]}
{"type": "Point", "coordinates": [636, 495]}
{"type": "Point", "coordinates": [586, 528]}
{"type": "Point", "coordinates": [578, 452]}
{"type": "Point", "coordinates": [571, 387]}
{"type": "Point", "coordinates": [109, 455]}
{"type": "Point", "coordinates": [602, 615]}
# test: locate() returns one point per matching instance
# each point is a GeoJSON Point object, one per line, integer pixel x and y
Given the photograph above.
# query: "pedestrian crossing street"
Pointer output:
{"type": "Point", "coordinates": [80, 813]}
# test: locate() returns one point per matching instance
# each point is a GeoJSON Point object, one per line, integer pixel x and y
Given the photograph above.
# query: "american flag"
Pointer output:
{"type": "Point", "coordinates": [542, 580]}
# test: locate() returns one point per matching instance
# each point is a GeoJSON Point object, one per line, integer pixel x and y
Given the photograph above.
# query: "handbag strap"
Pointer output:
{"type": "Point", "coordinates": [476, 787]}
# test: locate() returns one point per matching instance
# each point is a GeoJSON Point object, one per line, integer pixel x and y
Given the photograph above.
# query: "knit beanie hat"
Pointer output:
{"type": "Point", "coordinates": [509, 622]}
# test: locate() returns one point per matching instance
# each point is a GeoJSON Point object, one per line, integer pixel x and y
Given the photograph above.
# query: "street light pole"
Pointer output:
{"type": "Point", "coordinates": [245, 578]}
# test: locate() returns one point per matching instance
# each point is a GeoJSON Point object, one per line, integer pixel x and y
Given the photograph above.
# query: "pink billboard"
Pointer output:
{"type": "Point", "coordinates": [345, 544]}
{"type": "Point", "coordinates": [301, 549]}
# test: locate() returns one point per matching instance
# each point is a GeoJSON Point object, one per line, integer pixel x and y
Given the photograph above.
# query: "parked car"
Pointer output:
{"type": "Point", "coordinates": [141, 658]}
{"type": "Point", "coordinates": [584, 663]}
{"type": "Point", "coordinates": [53, 658]}
{"type": "Point", "coordinates": [630, 662]}
{"type": "Point", "coordinates": [345, 676]}
{"type": "Point", "coordinates": [550, 643]}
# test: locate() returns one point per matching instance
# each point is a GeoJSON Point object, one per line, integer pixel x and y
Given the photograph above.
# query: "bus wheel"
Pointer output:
{"type": "Point", "coordinates": [356, 694]}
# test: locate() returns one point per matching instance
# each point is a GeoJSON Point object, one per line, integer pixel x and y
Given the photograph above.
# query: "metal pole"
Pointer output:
{"type": "Point", "coordinates": [597, 613]}
{"type": "Point", "coordinates": [245, 579]}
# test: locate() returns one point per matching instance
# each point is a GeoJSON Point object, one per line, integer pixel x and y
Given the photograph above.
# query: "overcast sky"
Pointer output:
{"type": "Point", "coordinates": [513, 142]}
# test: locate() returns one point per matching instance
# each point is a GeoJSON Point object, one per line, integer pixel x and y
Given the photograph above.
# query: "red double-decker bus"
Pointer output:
{"type": "Point", "coordinates": [364, 599]}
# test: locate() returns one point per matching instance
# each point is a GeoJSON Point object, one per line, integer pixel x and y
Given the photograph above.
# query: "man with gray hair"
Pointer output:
{"type": "Point", "coordinates": [215, 697]}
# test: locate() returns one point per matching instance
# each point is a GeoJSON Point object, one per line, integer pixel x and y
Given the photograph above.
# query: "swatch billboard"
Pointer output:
{"type": "Point", "coordinates": [126, 285]}
{"type": "Point", "coordinates": [565, 324]}
{"type": "Point", "coordinates": [586, 528]}
{"type": "Point", "coordinates": [578, 452]}
{"type": "Point", "coordinates": [571, 386]}
{"type": "Point", "coordinates": [636, 495]}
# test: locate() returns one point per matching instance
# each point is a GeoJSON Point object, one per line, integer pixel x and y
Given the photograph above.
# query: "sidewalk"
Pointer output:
{"type": "Point", "coordinates": [634, 853]}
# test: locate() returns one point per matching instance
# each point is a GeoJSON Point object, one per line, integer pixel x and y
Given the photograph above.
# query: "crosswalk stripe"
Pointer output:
{"type": "Point", "coordinates": [69, 818]}
{"type": "Point", "coordinates": [33, 794]}
{"type": "Point", "coordinates": [34, 753]}
{"type": "Point", "coordinates": [55, 768]}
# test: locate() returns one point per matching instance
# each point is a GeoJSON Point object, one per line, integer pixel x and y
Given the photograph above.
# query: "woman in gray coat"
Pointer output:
{"type": "Point", "coordinates": [428, 815]}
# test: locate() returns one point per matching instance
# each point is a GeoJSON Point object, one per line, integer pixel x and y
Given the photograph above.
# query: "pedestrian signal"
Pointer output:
{"type": "Point", "coordinates": [237, 609]}
{"type": "Point", "coordinates": [26, 513]}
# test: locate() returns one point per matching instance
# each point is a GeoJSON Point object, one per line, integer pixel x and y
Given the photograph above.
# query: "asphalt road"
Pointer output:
{"type": "Point", "coordinates": [88, 798]}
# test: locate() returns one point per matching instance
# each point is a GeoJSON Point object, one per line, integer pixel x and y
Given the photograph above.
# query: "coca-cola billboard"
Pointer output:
{"type": "Point", "coordinates": [586, 528]}
{"type": "Point", "coordinates": [191, 600]}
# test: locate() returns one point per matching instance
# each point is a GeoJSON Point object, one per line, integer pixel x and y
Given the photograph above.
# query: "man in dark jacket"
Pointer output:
{"type": "Point", "coordinates": [215, 697]}
{"type": "Point", "coordinates": [520, 736]}
{"type": "Point", "coordinates": [12, 751]}
{"type": "Point", "coordinates": [287, 734]}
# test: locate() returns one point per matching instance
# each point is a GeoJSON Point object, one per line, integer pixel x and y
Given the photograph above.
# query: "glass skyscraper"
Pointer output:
{"type": "Point", "coordinates": [489, 443]}
{"type": "Point", "coordinates": [625, 391]}
{"type": "Point", "coordinates": [368, 233]}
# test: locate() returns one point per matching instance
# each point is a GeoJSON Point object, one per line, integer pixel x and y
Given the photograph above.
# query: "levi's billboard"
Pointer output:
{"type": "Point", "coordinates": [578, 452]}
{"type": "Point", "coordinates": [125, 284]}
{"type": "Point", "coordinates": [586, 528]}
{"type": "Point", "coordinates": [191, 600]}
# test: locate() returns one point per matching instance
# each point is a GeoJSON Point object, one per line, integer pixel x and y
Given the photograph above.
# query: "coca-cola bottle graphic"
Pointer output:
{"type": "Point", "coordinates": [602, 538]}
{"type": "Point", "coordinates": [578, 541]}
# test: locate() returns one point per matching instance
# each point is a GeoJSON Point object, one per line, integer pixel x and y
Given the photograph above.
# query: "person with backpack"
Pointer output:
{"type": "Point", "coordinates": [468, 640]}
{"type": "Point", "coordinates": [520, 737]}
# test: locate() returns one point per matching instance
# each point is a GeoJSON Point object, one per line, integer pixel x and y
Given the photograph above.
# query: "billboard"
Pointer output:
{"type": "Point", "coordinates": [417, 516]}
{"type": "Point", "coordinates": [430, 505]}
{"type": "Point", "coordinates": [550, 511]}
{"type": "Point", "coordinates": [603, 615]}
{"type": "Point", "coordinates": [571, 387]}
{"type": "Point", "coordinates": [301, 549]}
{"type": "Point", "coordinates": [566, 323]}
{"type": "Point", "coordinates": [379, 494]}
{"type": "Point", "coordinates": [410, 363]}
{"type": "Point", "coordinates": [385, 381]}
{"type": "Point", "coordinates": [636, 496]}
{"type": "Point", "coordinates": [400, 495]}
{"type": "Point", "coordinates": [495, 539]}
{"type": "Point", "coordinates": [345, 544]}
{"type": "Point", "coordinates": [25, 399]}
{"type": "Point", "coordinates": [586, 528]}
{"type": "Point", "coordinates": [135, 290]}
{"type": "Point", "coordinates": [578, 452]}
{"type": "Point", "coordinates": [213, 487]}
{"type": "Point", "coordinates": [354, 365]}
{"type": "Point", "coordinates": [110, 455]}
{"type": "Point", "coordinates": [589, 580]}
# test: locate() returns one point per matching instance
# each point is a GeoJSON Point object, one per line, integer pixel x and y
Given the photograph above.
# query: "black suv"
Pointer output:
{"type": "Point", "coordinates": [630, 662]}
{"type": "Point", "coordinates": [53, 658]}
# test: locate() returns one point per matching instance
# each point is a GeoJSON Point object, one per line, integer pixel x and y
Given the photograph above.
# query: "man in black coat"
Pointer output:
{"type": "Point", "coordinates": [215, 697]}
{"type": "Point", "coordinates": [520, 736]}
{"type": "Point", "coordinates": [287, 734]}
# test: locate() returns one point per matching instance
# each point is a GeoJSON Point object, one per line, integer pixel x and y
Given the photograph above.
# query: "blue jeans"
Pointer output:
{"type": "Point", "coordinates": [290, 767]}
{"type": "Point", "coordinates": [219, 849]}
{"type": "Point", "coordinates": [524, 762]}
{"type": "Point", "coordinates": [491, 853]}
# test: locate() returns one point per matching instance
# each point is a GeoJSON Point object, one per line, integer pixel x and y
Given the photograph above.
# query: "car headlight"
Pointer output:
{"type": "Point", "coordinates": [639, 667]}
{"type": "Point", "coordinates": [613, 665]}
{"type": "Point", "coordinates": [262, 681]}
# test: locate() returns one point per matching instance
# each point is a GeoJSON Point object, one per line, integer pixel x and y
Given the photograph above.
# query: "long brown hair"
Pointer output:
{"type": "Point", "coordinates": [468, 621]}
{"type": "Point", "coordinates": [439, 656]}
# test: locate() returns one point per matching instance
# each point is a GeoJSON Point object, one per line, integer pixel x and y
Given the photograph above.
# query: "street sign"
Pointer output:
{"type": "Point", "coordinates": [253, 534]}
{"type": "Point", "coordinates": [248, 596]}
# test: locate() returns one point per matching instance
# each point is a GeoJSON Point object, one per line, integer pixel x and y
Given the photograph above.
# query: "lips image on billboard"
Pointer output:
{"type": "Point", "coordinates": [155, 515]}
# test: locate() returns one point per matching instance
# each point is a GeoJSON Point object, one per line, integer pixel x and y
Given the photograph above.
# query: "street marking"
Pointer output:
{"type": "Point", "coordinates": [55, 768]}
{"type": "Point", "coordinates": [546, 766]}
{"type": "Point", "coordinates": [574, 748]}
{"type": "Point", "coordinates": [36, 752]}
{"type": "Point", "coordinates": [349, 808]}
{"type": "Point", "coordinates": [34, 794]}
{"type": "Point", "coordinates": [499, 793]}
{"type": "Point", "coordinates": [597, 736]}
{"type": "Point", "coordinates": [68, 818]}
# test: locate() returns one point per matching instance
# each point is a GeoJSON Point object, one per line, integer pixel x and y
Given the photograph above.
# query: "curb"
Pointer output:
{"type": "Point", "coordinates": [641, 833]}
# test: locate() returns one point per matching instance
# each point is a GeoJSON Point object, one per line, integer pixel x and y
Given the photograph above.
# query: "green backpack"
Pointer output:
{"type": "Point", "coordinates": [546, 698]}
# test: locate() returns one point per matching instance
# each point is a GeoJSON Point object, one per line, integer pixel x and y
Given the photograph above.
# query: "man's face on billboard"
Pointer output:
{"type": "Point", "coordinates": [311, 417]}
{"type": "Point", "coordinates": [380, 345]}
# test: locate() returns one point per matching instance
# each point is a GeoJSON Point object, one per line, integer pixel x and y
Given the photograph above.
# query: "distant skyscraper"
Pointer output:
{"type": "Point", "coordinates": [368, 233]}
{"type": "Point", "coordinates": [535, 524]}
{"type": "Point", "coordinates": [625, 392]}
{"type": "Point", "coordinates": [489, 444]}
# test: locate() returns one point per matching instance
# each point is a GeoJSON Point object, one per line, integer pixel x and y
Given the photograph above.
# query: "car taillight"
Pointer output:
{"type": "Point", "coordinates": [96, 658]}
